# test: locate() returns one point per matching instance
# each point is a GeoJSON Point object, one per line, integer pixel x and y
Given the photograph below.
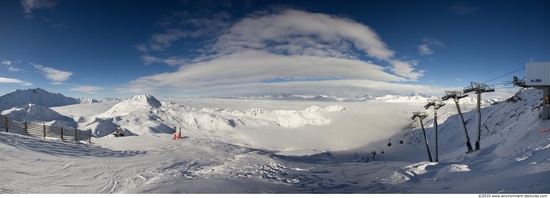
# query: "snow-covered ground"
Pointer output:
{"type": "Point", "coordinates": [243, 145]}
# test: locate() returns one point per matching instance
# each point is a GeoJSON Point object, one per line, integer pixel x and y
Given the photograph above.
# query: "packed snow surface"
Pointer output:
{"type": "Point", "coordinates": [276, 146]}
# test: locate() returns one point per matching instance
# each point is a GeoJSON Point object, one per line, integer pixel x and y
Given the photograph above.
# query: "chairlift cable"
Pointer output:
{"type": "Point", "coordinates": [522, 67]}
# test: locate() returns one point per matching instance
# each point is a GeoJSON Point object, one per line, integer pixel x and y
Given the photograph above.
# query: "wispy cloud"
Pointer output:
{"type": "Point", "coordinates": [87, 89]}
{"type": "Point", "coordinates": [171, 61]}
{"type": "Point", "coordinates": [6, 62]}
{"type": "Point", "coordinates": [30, 5]}
{"type": "Point", "coordinates": [14, 81]}
{"type": "Point", "coordinates": [426, 48]}
{"type": "Point", "coordinates": [277, 44]}
{"type": "Point", "coordinates": [183, 25]}
{"type": "Point", "coordinates": [9, 65]}
{"type": "Point", "coordinates": [463, 9]}
{"type": "Point", "coordinates": [55, 75]}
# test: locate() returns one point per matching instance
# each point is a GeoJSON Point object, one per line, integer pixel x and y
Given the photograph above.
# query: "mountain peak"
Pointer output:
{"type": "Point", "coordinates": [36, 96]}
{"type": "Point", "coordinates": [148, 100]}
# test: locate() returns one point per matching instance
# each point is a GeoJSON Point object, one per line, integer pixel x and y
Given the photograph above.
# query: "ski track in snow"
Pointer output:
{"type": "Point", "coordinates": [514, 156]}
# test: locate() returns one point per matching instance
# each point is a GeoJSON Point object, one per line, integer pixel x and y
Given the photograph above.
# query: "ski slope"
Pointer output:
{"type": "Point", "coordinates": [283, 147]}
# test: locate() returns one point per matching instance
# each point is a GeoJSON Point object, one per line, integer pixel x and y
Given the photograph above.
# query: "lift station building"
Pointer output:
{"type": "Point", "coordinates": [537, 75]}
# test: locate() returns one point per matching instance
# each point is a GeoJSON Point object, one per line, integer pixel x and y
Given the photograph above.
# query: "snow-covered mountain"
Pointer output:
{"type": "Point", "coordinates": [215, 156]}
{"type": "Point", "coordinates": [413, 98]}
{"type": "Point", "coordinates": [292, 97]}
{"type": "Point", "coordinates": [422, 99]}
{"type": "Point", "coordinates": [144, 114]}
{"type": "Point", "coordinates": [39, 114]}
{"type": "Point", "coordinates": [41, 97]}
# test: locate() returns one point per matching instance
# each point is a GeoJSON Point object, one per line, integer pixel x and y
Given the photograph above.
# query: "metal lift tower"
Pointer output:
{"type": "Point", "coordinates": [478, 88]}
{"type": "Point", "coordinates": [437, 104]}
{"type": "Point", "coordinates": [421, 116]}
{"type": "Point", "coordinates": [457, 95]}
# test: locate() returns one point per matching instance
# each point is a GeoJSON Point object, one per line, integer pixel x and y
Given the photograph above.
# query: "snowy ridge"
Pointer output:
{"type": "Point", "coordinates": [88, 100]}
{"type": "Point", "coordinates": [285, 118]}
{"type": "Point", "coordinates": [41, 97]}
{"type": "Point", "coordinates": [144, 114]}
{"type": "Point", "coordinates": [420, 99]}
{"type": "Point", "coordinates": [391, 98]}
{"type": "Point", "coordinates": [294, 97]}
{"type": "Point", "coordinates": [39, 114]}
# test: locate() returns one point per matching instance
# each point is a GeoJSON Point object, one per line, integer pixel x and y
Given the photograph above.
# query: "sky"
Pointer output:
{"type": "Point", "coordinates": [100, 48]}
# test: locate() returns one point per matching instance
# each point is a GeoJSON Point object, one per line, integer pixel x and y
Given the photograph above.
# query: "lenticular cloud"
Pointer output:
{"type": "Point", "coordinates": [281, 44]}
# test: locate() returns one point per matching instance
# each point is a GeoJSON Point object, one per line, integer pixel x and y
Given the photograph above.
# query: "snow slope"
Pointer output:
{"type": "Point", "coordinates": [514, 155]}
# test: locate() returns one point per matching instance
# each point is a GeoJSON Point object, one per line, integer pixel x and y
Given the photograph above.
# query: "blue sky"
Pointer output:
{"type": "Point", "coordinates": [226, 48]}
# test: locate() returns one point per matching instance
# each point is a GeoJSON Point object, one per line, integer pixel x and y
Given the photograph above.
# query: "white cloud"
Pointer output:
{"type": "Point", "coordinates": [184, 26]}
{"type": "Point", "coordinates": [9, 65]}
{"type": "Point", "coordinates": [287, 26]}
{"type": "Point", "coordinates": [251, 54]}
{"type": "Point", "coordinates": [57, 76]}
{"type": "Point", "coordinates": [428, 43]}
{"type": "Point", "coordinates": [14, 81]}
{"type": "Point", "coordinates": [6, 62]}
{"type": "Point", "coordinates": [246, 72]}
{"type": "Point", "coordinates": [463, 9]}
{"type": "Point", "coordinates": [405, 69]}
{"type": "Point", "coordinates": [14, 69]}
{"type": "Point", "coordinates": [88, 89]}
{"type": "Point", "coordinates": [424, 49]}
{"type": "Point", "coordinates": [171, 61]}
{"type": "Point", "coordinates": [30, 5]}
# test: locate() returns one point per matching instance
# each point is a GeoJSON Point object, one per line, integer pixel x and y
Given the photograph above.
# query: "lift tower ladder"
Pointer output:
{"type": "Point", "coordinates": [478, 88]}
{"type": "Point", "coordinates": [436, 103]}
{"type": "Point", "coordinates": [457, 95]}
{"type": "Point", "coordinates": [421, 116]}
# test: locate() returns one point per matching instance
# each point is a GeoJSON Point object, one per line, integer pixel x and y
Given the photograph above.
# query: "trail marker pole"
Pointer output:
{"type": "Point", "coordinates": [175, 131]}
{"type": "Point", "coordinates": [6, 120]}
{"type": "Point", "coordinates": [61, 133]}
{"type": "Point", "coordinates": [44, 130]}
{"type": "Point", "coordinates": [90, 136]}
{"type": "Point", "coordinates": [76, 135]}
{"type": "Point", "coordinates": [26, 126]}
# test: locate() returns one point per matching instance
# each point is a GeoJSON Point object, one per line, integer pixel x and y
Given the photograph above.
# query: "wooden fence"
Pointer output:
{"type": "Point", "coordinates": [35, 129]}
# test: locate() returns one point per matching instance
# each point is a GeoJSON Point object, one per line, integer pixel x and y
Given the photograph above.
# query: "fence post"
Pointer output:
{"type": "Point", "coordinates": [76, 135]}
{"type": "Point", "coordinates": [90, 136]}
{"type": "Point", "coordinates": [44, 129]}
{"type": "Point", "coordinates": [61, 133]}
{"type": "Point", "coordinates": [26, 127]}
{"type": "Point", "coordinates": [6, 119]}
